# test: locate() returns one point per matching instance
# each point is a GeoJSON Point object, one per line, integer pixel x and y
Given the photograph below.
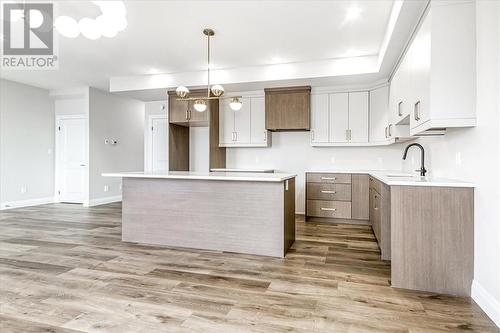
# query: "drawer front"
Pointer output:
{"type": "Point", "coordinates": [319, 191]}
{"type": "Point", "coordinates": [329, 178]}
{"type": "Point", "coordinates": [334, 209]}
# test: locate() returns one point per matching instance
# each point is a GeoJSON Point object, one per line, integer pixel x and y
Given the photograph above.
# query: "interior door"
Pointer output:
{"type": "Point", "coordinates": [358, 116]}
{"type": "Point", "coordinates": [339, 117]}
{"type": "Point", "coordinates": [242, 122]}
{"type": "Point", "coordinates": [159, 144]}
{"type": "Point", "coordinates": [72, 158]}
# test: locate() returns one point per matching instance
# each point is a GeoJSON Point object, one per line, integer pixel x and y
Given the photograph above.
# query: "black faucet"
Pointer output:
{"type": "Point", "coordinates": [422, 167]}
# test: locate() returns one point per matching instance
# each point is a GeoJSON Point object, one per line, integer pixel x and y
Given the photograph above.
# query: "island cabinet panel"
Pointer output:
{"type": "Point", "coordinates": [252, 217]}
{"type": "Point", "coordinates": [432, 231]}
{"type": "Point", "coordinates": [288, 108]}
{"type": "Point", "coordinates": [360, 197]}
{"type": "Point", "coordinates": [380, 215]}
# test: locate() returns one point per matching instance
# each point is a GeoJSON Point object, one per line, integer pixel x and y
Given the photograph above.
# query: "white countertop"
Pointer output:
{"type": "Point", "coordinates": [400, 178]}
{"type": "Point", "coordinates": [238, 176]}
{"type": "Point", "coordinates": [242, 170]}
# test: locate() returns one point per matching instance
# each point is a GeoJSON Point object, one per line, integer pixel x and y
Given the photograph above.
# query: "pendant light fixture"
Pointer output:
{"type": "Point", "coordinates": [200, 103]}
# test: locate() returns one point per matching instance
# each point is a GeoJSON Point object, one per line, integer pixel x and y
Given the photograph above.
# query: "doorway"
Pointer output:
{"type": "Point", "coordinates": [157, 159]}
{"type": "Point", "coordinates": [71, 158]}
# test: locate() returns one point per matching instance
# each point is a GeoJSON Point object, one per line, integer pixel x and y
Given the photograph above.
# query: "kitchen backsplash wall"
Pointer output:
{"type": "Point", "coordinates": [292, 152]}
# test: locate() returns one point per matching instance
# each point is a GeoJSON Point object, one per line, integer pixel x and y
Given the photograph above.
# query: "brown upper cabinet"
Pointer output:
{"type": "Point", "coordinates": [183, 112]}
{"type": "Point", "coordinates": [288, 109]}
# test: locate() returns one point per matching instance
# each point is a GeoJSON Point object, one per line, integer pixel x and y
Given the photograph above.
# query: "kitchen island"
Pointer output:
{"type": "Point", "coordinates": [251, 213]}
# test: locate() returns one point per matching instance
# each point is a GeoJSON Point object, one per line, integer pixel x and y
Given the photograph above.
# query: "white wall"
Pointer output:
{"type": "Point", "coordinates": [115, 118]}
{"type": "Point", "coordinates": [26, 144]}
{"type": "Point", "coordinates": [292, 152]}
{"type": "Point", "coordinates": [474, 155]}
{"type": "Point", "coordinates": [199, 150]}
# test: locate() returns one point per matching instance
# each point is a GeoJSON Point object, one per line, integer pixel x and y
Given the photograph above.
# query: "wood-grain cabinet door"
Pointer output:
{"type": "Point", "coordinates": [198, 116]}
{"type": "Point", "coordinates": [288, 111]}
{"type": "Point", "coordinates": [375, 212]}
{"type": "Point", "coordinates": [258, 132]}
{"type": "Point", "coordinates": [177, 110]}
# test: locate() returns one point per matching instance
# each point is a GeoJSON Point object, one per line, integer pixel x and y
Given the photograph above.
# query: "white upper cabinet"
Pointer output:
{"type": "Point", "coordinates": [258, 133]}
{"type": "Point", "coordinates": [339, 118]}
{"type": "Point", "coordinates": [379, 120]}
{"type": "Point", "coordinates": [245, 127]}
{"type": "Point", "coordinates": [434, 85]}
{"type": "Point", "coordinates": [242, 122]}
{"type": "Point", "coordinates": [358, 117]}
{"type": "Point", "coordinates": [319, 118]}
{"type": "Point", "coordinates": [226, 124]}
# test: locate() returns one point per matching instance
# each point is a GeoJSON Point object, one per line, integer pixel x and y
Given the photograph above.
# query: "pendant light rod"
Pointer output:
{"type": "Point", "coordinates": [208, 33]}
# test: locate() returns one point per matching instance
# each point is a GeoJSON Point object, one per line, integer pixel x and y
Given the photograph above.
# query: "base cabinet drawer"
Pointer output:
{"type": "Point", "coordinates": [333, 209]}
{"type": "Point", "coordinates": [332, 178]}
{"type": "Point", "coordinates": [319, 191]}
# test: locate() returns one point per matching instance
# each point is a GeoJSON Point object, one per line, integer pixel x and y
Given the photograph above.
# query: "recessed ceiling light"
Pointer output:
{"type": "Point", "coordinates": [352, 13]}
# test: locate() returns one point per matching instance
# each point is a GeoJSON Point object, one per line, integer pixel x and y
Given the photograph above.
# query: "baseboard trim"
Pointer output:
{"type": "Point", "coordinates": [26, 203]}
{"type": "Point", "coordinates": [486, 301]}
{"type": "Point", "coordinates": [102, 201]}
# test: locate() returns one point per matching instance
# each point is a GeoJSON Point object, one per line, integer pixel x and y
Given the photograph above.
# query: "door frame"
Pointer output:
{"type": "Point", "coordinates": [57, 155]}
{"type": "Point", "coordinates": [148, 150]}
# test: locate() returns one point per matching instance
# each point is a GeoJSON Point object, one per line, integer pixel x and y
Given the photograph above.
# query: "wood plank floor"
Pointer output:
{"type": "Point", "coordinates": [63, 268]}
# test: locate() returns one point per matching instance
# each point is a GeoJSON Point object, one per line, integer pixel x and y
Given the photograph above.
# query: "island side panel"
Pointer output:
{"type": "Point", "coordinates": [432, 238]}
{"type": "Point", "coordinates": [233, 216]}
{"type": "Point", "coordinates": [289, 213]}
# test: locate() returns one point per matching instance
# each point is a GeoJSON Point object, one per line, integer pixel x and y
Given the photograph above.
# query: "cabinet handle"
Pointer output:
{"type": "Point", "coordinates": [187, 114]}
{"type": "Point", "coordinates": [265, 136]}
{"type": "Point", "coordinates": [235, 136]}
{"type": "Point", "coordinates": [347, 135]}
{"type": "Point", "coordinates": [329, 209]}
{"type": "Point", "coordinates": [385, 132]}
{"type": "Point", "coordinates": [375, 203]}
{"type": "Point", "coordinates": [328, 178]}
{"type": "Point", "coordinates": [312, 135]}
{"type": "Point", "coordinates": [416, 111]}
{"type": "Point", "coordinates": [389, 130]}
{"type": "Point", "coordinates": [350, 135]}
{"type": "Point", "coordinates": [400, 108]}
{"type": "Point", "coordinates": [329, 192]}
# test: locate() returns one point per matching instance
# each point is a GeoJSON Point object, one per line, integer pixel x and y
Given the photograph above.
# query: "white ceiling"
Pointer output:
{"type": "Point", "coordinates": [166, 37]}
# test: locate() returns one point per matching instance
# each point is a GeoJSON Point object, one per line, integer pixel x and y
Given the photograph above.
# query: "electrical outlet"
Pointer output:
{"type": "Point", "coordinates": [24, 189]}
{"type": "Point", "coordinates": [106, 188]}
